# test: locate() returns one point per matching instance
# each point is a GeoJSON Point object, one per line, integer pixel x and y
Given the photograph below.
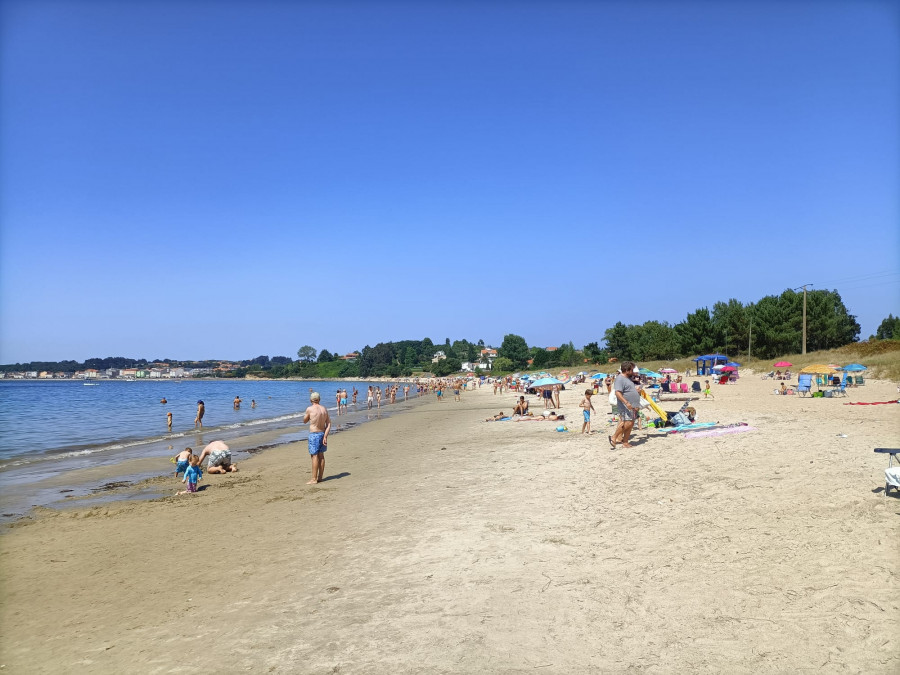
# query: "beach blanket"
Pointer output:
{"type": "Point", "coordinates": [692, 425]}
{"type": "Point", "coordinates": [874, 402]}
{"type": "Point", "coordinates": [738, 429]}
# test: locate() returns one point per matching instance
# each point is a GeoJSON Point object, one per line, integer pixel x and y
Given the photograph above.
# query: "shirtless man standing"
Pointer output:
{"type": "Point", "coordinates": [319, 428]}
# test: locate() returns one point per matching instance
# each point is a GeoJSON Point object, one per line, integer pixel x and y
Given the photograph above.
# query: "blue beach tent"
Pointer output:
{"type": "Point", "coordinates": [707, 362]}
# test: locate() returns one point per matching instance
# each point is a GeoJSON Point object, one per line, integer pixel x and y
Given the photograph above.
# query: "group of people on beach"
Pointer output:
{"type": "Point", "coordinates": [218, 455]}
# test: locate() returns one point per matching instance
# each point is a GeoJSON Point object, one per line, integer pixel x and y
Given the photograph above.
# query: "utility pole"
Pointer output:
{"type": "Point", "coordinates": [804, 313]}
{"type": "Point", "coordinates": [750, 339]}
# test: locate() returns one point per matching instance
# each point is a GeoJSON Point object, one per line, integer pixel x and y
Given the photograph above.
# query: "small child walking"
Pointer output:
{"type": "Point", "coordinates": [706, 391]}
{"type": "Point", "coordinates": [192, 475]}
{"type": "Point", "coordinates": [182, 461]}
{"type": "Point", "coordinates": [587, 406]}
{"type": "Point", "coordinates": [169, 420]}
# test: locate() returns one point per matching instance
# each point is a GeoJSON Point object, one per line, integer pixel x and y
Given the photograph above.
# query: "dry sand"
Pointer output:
{"type": "Point", "coordinates": [444, 544]}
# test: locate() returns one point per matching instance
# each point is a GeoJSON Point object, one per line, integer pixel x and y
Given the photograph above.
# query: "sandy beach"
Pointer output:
{"type": "Point", "coordinates": [443, 544]}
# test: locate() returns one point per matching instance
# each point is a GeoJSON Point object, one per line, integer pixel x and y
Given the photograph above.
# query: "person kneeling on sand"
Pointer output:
{"type": "Point", "coordinates": [319, 428]}
{"type": "Point", "coordinates": [219, 458]}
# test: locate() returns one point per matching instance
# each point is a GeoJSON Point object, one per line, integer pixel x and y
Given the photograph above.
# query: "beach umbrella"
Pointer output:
{"type": "Point", "coordinates": [545, 382]}
{"type": "Point", "coordinates": [667, 370]}
{"type": "Point", "coordinates": [854, 367]}
{"type": "Point", "coordinates": [728, 369]}
{"type": "Point", "coordinates": [818, 369]}
{"type": "Point", "coordinates": [783, 364]}
{"type": "Point", "coordinates": [731, 363]}
{"type": "Point", "coordinates": [598, 376]}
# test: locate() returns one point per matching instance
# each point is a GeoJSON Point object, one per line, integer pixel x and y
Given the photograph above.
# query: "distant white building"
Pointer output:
{"type": "Point", "coordinates": [438, 356]}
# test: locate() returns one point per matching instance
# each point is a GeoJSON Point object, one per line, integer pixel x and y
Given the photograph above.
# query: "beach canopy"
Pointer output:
{"type": "Point", "coordinates": [712, 357]}
{"type": "Point", "coordinates": [854, 367]}
{"type": "Point", "coordinates": [818, 369]}
{"type": "Point", "coordinates": [783, 364]}
{"type": "Point", "coordinates": [545, 382]}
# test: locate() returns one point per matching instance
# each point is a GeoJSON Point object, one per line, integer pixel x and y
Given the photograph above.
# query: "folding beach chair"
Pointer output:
{"type": "Point", "coordinates": [893, 452]}
{"type": "Point", "coordinates": [840, 390]}
{"type": "Point", "coordinates": [684, 388]}
{"type": "Point", "coordinates": [665, 388]}
{"type": "Point", "coordinates": [804, 384]}
{"type": "Point", "coordinates": [860, 381]}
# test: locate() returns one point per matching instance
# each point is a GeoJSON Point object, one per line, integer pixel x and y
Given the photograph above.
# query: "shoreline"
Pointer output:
{"type": "Point", "coordinates": [99, 478]}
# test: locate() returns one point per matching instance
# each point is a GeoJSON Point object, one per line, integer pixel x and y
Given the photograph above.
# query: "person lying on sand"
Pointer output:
{"type": "Point", "coordinates": [496, 418]}
{"type": "Point", "coordinates": [551, 417]}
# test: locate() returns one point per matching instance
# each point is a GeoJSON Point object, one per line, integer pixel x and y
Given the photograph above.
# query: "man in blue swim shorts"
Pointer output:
{"type": "Point", "coordinates": [319, 428]}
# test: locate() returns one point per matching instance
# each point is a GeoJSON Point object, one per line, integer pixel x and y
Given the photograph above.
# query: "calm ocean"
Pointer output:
{"type": "Point", "coordinates": [51, 427]}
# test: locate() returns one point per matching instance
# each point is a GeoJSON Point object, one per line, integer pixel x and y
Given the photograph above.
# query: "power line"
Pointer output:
{"type": "Point", "coordinates": [861, 277]}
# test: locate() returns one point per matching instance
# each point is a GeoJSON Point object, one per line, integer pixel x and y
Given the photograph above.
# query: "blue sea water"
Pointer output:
{"type": "Point", "coordinates": [43, 419]}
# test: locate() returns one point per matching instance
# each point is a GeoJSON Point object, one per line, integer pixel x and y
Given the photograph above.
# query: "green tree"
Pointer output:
{"type": "Point", "coordinates": [541, 357]}
{"type": "Point", "coordinates": [617, 342]}
{"type": "Point", "coordinates": [306, 353]}
{"type": "Point", "coordinates": [732, 325]}
{"type": "Point", "coordinates": [325, 356]}
{"type": "Point", "coordinates": [409, 357]}
{"type": "Point", "coordinates": [503, 365]}
{"type": "Point", "coordinates": [776, 326]}
{"type": "Point", "coordinates": [461, 349]}
{"type": "Point", "coordinates": [566, 355]}
{"type": "Point", "coordinates": [829, 323]}
{"type": "Point", "coordinates": [426, 350]}
{"type": "Point", "coordinates": [515, 349]}
{"type": "Point", "coordinates": [446, 366]}
{"type": "Point", "coordinates": [695, 333]}
{"type": "Point", "coordinates": [889, 328]}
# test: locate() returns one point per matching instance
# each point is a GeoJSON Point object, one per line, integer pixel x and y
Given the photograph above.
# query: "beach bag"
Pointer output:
{"type": "Point", "coordinates": [612, 398]}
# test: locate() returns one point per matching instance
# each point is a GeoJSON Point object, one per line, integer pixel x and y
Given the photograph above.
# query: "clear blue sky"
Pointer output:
{"type": "Point", "coordinates": [224, 180]}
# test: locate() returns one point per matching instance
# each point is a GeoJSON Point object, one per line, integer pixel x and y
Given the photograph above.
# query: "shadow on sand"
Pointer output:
{"type": "Point", "coordinates": [335, 476]}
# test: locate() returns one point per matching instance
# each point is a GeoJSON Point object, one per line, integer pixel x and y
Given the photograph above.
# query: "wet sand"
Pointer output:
{"type": "Point", "coordinates": [441, 543]}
